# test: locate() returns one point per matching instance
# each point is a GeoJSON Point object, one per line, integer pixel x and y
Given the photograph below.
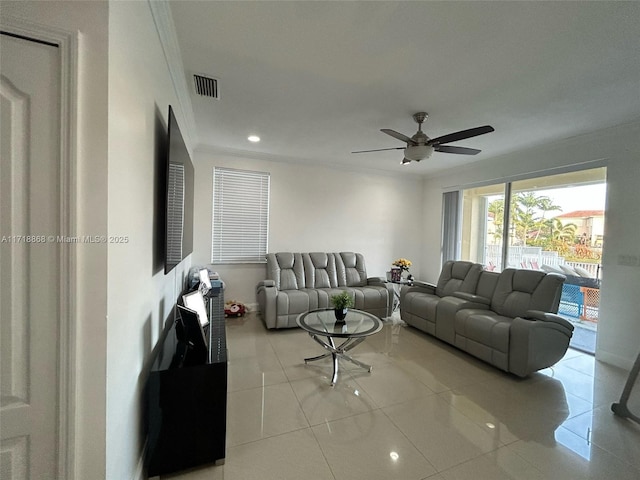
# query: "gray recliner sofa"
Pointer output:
{"type": "Point", "coordinates": [299, 282]}
{"type": "Point", "coordinates": [507, 319]}
{"type": "Point", "coordinates": [418, 304]}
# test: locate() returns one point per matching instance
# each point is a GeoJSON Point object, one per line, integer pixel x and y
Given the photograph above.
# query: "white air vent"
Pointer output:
{"type": "Point", "coordinates": [205, 86]}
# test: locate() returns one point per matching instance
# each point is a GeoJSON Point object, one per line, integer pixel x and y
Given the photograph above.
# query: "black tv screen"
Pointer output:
{"type": "Point", "coordinates": [179, 198]}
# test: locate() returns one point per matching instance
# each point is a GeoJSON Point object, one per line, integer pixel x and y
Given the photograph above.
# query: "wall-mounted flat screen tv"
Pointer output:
{"type": "Point", "coordinates": [179, 198]}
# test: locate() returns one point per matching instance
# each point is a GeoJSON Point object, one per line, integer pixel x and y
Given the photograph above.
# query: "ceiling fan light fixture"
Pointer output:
{"type": "Point", "coordinates": [418, 152]}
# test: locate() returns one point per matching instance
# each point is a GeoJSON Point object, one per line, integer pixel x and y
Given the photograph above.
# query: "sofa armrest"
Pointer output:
{"type": "Point", "coordinates": [470, 297]}
{"type": "Point", "coordinates": [548, 317]}
{"type": "Point", "coordinates": [537, 342]}
{"type": "Point", "coordinates": [416, 287]}
{"type": "Point", "coordinates": [422, 287]}
{"type": "Point", "coordinates": [382, 282]}
{"type": "Point", "coordinates": [266, 283]}
{"type": "Point", "coordinates": [430, 286]}
{"type": "Point", "coordinates": [266, 293]}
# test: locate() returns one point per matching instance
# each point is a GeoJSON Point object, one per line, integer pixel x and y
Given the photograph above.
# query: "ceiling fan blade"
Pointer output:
{"type": "Point", "coordinates": [398, 135]}
{"type": "Point", "coordinates": [380, 150]}
{"type": "Point", "coordinates": [458, 150]}
{"type": "Point", "coordinates": [461, 135]}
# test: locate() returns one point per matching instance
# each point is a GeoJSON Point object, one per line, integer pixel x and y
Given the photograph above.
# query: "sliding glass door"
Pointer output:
{"type": "Point", "coordinates": [540, 221]}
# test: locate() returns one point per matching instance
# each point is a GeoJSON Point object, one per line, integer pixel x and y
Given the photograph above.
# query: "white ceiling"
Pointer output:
{"type": "Point", "coordinates": [317, 80]}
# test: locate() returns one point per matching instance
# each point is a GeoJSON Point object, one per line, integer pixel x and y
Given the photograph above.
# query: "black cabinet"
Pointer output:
{"type": "Point", "coordinates": [187, 400]}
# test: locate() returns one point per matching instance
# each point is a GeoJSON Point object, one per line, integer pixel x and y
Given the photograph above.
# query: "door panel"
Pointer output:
{"type": "Point", "coordinates": [29, 258]}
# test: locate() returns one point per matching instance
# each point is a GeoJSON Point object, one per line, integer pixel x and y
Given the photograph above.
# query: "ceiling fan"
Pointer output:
{"type": "Point", "coordinates": [420, 147]}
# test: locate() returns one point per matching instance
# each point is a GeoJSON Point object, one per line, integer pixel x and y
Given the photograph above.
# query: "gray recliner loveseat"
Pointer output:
{"type": "Point", "coordinates": [299, 282]}
{"type": "Point", "coordinates": [507, 319]}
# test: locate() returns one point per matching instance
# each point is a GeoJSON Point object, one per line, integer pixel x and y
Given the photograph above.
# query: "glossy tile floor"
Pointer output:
{"type": "Point", "coordinates": [426, 410]}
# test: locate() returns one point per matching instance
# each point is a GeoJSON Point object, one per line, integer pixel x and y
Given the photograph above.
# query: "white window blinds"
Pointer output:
{"type": "Point", "coordinates": [175, 213]}
{"type": "Point", "coordinates": [240, 216]}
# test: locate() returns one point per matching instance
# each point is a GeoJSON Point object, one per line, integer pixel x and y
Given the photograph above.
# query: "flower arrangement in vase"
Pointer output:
{"type": "Point", "coordinates": [403, 264]}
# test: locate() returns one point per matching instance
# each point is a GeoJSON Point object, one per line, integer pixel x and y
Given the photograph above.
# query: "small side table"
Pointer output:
{"type": "Point", "coordinates": [397, 286]}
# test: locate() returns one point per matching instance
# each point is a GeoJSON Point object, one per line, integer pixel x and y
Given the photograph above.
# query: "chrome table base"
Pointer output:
{"type": "Point", "coordinates": [338, 352]}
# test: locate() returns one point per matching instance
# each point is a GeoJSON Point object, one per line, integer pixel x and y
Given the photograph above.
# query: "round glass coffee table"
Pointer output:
{"type": "Point", "coordinates": [323, 327]}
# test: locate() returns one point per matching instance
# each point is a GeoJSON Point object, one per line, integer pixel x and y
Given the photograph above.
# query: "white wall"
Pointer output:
{"type": "Point", "coordinates": [317, 209]}
{"type": "Point", "coordinates": [619, 148]}
{"type": "Point", "coordinates": [140, 296]}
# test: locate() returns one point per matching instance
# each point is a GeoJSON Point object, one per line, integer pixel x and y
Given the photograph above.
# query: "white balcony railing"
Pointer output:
{"type": "Point", "coordinates": [535, 258]}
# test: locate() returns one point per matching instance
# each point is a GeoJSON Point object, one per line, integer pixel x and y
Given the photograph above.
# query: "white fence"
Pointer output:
{"type": "Point", "coordinates": [534, 258]}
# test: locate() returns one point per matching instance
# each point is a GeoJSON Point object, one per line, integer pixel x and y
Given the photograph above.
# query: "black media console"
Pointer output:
{"type": "Point", "coordinates": [187, 400]}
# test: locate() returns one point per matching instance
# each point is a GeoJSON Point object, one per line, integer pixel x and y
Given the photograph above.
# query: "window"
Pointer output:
{"type": "Point", "coordinates": [240, 216]}
{"type": "Point", "coordinates": [542, 221]}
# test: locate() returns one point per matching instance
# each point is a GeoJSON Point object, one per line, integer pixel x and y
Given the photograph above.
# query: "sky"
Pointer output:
{"type": "Point", "coordinates": [585, 197]}
{"type": "Point", "coordinates": [588, 197]}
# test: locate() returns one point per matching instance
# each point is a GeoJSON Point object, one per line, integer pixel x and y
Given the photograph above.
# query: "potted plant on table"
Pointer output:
{"type": "Point", "coordinates": [341, 303]}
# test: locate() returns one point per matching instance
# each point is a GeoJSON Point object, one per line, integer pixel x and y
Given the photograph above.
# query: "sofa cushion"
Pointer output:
{"type": "Point", "coordinates": [351, 269]}
{"type": "Point", "coordinates": [286, 270]}
{"type": "Point", "coordinates": [293, 301]}
{"type": "Point", "coordinates": [320, 270]}
{"type": "Point", "coordinates": [324, 296]}
{"type": "Point", "coordinates": [520, 290]}
{"type": "Point", "coordinates": [487, 284]}
{"type": "Point", "coordinates": [486, 328]}
{"type": "Point", "coordinates": [458, 276]}
{"type": "Point", "coordinates": [583, 272]}
{"type": "Point", "coordinates": [421, 304]}
{"type": "Point", "coordinates": [461, 317]}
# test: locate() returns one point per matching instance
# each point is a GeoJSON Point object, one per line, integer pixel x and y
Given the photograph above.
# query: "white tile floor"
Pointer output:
{"type": "Point", "coordinates": [426, 410]}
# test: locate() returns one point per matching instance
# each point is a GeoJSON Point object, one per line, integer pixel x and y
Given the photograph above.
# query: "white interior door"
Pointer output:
{"type": "Point", "coordinates": [29, 258]}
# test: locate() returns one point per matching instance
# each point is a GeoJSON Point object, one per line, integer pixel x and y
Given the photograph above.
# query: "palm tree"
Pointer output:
{"type": "Point", "coordinates": [496, 208]}
{"type": "Point", "coordinates": [546, 205]}
{"type": "Point", "coordinates": [562, 232]}
{"type": "Point", "coordinates": [524, 218]}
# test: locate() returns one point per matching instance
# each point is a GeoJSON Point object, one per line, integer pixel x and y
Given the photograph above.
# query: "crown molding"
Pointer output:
{"type": "Point", "coordinates": [165, 27]}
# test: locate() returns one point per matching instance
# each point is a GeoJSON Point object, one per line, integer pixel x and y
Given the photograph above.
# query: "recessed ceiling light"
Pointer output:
{"type": "Point", "coordinates": [253, 138]}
